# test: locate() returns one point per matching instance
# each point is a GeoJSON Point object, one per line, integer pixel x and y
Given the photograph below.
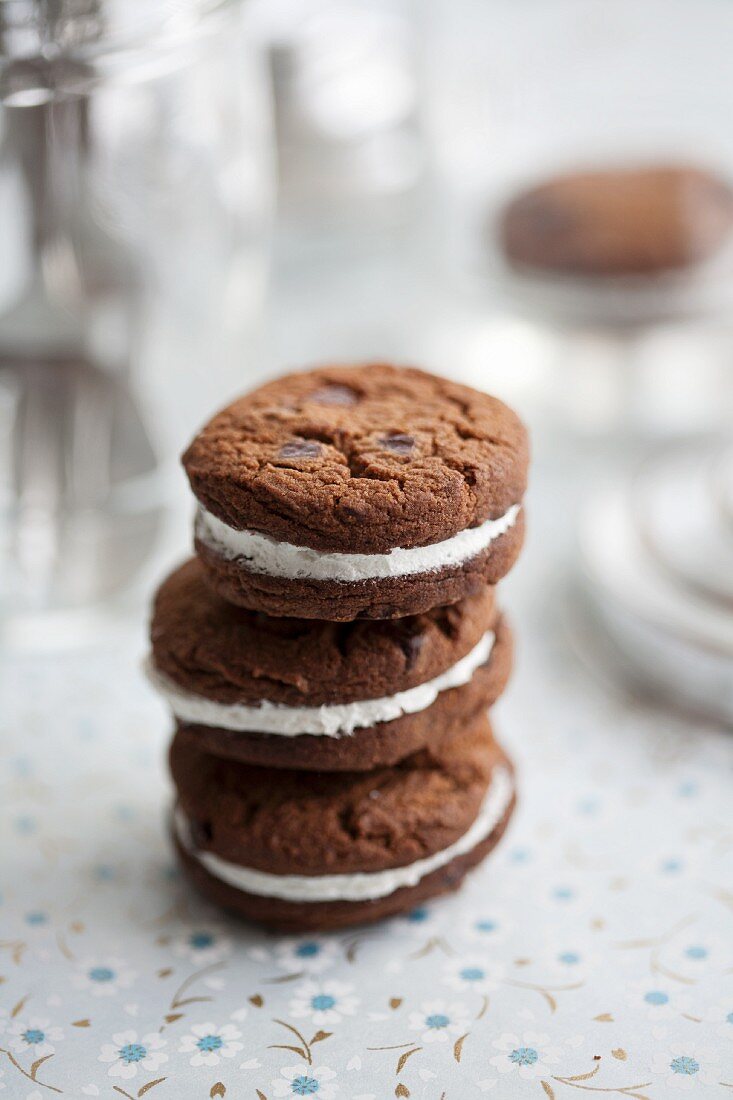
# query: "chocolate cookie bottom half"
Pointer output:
{"type": "Point", "coordinates": [354, 848]}
{"type": "Point", "coordinates": [283, 915]}
{"type": "Point", "coordinates": [302, 693]}
{"type": "Point", "coordinates": [366, 746]}
{"type": "Point", "coordinates": [254, 571]}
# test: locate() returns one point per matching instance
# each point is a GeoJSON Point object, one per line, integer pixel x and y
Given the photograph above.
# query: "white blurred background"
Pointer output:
{"type": "Point", "coordinates": [196, 195]}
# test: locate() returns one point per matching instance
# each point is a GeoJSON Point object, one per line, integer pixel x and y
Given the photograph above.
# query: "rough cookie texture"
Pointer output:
{"type": "Point", "coordinates": [389, 598]}
{"type": "Point", "coordinates": [360, 459]}
{"type": "Point", "coordinates": [287, 916]}
{"type": "Point", "coordinates": [635, 221]}
{"type": "Point", "coordinates": [373, 746]}
{"type": "Point", "coordinates": [230, 655]}
{"type": "Point", "coordinates": [315, 823]}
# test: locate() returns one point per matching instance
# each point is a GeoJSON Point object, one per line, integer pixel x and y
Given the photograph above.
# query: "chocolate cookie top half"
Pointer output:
{"type": "Point", "coordinates": [314, 823]}
{"type": "Point", "coordinates": [619, 221]}
{"type": "Point", "coordinates": [359, 460]}
{"type": "Point", "coordinates": [224, 653]}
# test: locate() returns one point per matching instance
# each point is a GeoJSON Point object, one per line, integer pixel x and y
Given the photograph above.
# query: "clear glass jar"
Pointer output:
{"type": "Point", "coordinates": [135, 194]}
{"type": "Point", "coordinates": [347, 94]}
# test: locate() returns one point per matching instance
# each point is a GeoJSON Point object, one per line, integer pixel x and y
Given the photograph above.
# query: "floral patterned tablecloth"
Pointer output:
{"type": "Point", "coordinates": [592, 955]}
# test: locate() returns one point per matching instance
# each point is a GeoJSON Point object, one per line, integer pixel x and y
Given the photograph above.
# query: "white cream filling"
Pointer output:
{"type": "Point", "coordinates": [362, 886]}
{"type": "Point", "coordinates": [334, 720]}
{"type": "Point", "coordinates": [263, 554]}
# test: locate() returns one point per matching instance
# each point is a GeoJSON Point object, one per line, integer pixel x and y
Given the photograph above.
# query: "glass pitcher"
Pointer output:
{"type": "Point", "coordinates": [135, 192]}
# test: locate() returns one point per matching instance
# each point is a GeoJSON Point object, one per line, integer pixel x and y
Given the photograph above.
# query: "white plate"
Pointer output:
{"type": "Point", "coordinates": [674, 636]}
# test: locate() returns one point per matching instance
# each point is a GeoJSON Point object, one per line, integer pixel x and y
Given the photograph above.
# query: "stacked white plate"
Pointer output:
{"type": "Point", "coordinates": [657, 564]}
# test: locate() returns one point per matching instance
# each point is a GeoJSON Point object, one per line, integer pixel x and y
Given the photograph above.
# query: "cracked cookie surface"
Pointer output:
{"type": "Point", "coordinates": [211, 650]}
{"type": "Point", "coordinates": [315, 823]}
{"type": "Point", "coordinates": [360, 459]}
{"type": "Point", "coordinates": [230, 655]}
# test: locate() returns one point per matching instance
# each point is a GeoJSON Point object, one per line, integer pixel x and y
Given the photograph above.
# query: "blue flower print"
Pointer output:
{"type": "Point", "coordinates": [438, 1019]}
{"type": "Point", "coordinates": [311, 955]}
{"type": "Point", "coordinates": [658, 1001]}
{"type": "Point", "coordinates": [34, 1035]}
{"type": "Point", "coordinates": [300, 1080]}
{"type": "Point", "coordinates": [439, 1022]}
{"type": "Point", "coordinates": [104, 977]}
{"type": "Point", "coordinates": [304, 1085]}
{"type": "Point", "coordinates": [208, 1044]}
{"type": "Point", "coordinates": [523, 1056]}
{"type": "Point", "coordinates": [693, 1068]}
{"type": "Point", "coordinates": [569, 958]}
{"type": "Point", "coordinates": [528, 1055]}
{"type": "Point", "coordinates": [486, 925]}
{"type": "Point", "coordinates": [417, 916]}
{"type": "Point", "coordinates": [128, 1053]}
{"type": "Point", "coordinates": [685, 1065]}
{"type": "Point", "coordinates": [103, 872]}
{"type": "Point", "coordinates": [324, 1002]}
{"type": "Point", "coordinates": [203, 946]}
{"type": "Point", "coordinates": [307, 950]}
{"type": "Point", "coordinates": [476, 975]}
{"type": "Point", "coordinates": [488, 928]}
{"type": "Point", "coordinates": [132, 1052]}
{"type": "Point", "coordinates": [721, 1014]}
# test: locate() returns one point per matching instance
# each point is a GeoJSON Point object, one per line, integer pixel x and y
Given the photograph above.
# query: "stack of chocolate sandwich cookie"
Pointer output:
{"type": "Point", "coordinates": [331, 653]}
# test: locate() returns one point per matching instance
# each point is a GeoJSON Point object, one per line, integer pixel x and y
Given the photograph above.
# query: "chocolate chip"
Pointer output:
{"type": "Point", "coordinates": [300, 448]}
{"type": "Point", "coordinates": [448, 621]}
{"type": "Point", "coordinates": [354, 511]}
{"type": "Point", "coordinates": [334, 395]}
{"type": "Point", "coordinates": [411, 648]}
{"type": "Point", "coordinates": [410, 643]}
{"type": "Point", "coordinates": [398, 443]}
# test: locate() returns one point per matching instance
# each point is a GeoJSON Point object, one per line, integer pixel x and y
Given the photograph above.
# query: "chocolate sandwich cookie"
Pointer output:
{"type": "Point", "coordinates": [366, 491]}
{"type": "Point", "coordinates": [635, 221]}
{"type": "Point", "coordinates": [300, 693]}
{"type": "Point", "coordinates": [319, 850]}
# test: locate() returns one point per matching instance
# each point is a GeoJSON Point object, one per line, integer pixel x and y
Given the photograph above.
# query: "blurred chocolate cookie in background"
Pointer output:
{"type": "Point", "coordinates": [618, 221]}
